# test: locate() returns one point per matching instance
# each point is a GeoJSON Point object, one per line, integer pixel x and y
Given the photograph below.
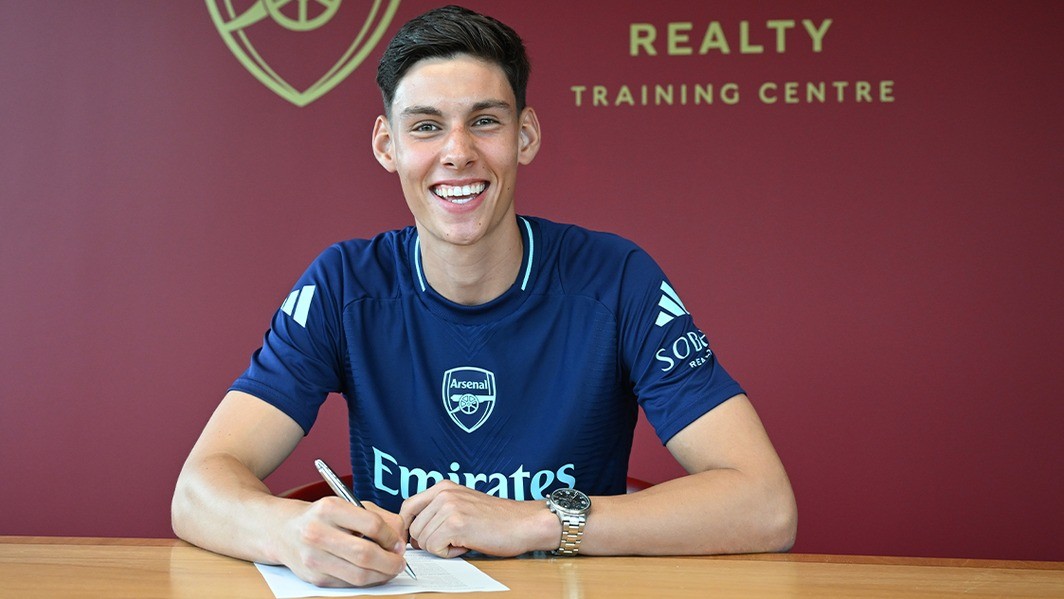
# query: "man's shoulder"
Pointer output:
{"type": "Point", "coordinates": [365, 266]}
{"type": "Point", "coordinates": [571, 238]}
{"type": "Point", "coordinates": [590, 262]}
{"type": "Point", "coordinates": [386, 243]}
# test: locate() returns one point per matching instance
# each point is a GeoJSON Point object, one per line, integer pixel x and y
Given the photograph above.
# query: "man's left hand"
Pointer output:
{"type": "Point", "coordinates": [448, 520]}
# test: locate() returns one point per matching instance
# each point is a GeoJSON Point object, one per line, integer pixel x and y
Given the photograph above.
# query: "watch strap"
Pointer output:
{"type": "Point", "coordinates": [572, 534]}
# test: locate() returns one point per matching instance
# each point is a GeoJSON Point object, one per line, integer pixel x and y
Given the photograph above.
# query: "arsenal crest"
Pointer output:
{"type": "Point", "coordinates": [301, 49]}
{"type": "Point", "coordinates": [469, 396]}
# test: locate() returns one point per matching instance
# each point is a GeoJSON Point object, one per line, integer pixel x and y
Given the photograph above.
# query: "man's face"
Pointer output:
{"type": "Point", "coordinates": [455, 139]}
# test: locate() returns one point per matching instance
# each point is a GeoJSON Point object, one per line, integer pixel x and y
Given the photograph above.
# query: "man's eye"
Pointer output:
{"type": "Point", "coordinates": [425, 128]}
{"type": "Point", "coordinates": [485, 120]}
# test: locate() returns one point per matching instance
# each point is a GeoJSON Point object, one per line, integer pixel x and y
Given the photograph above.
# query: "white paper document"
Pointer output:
{"type": "Point", "coordinates": [434, 574]}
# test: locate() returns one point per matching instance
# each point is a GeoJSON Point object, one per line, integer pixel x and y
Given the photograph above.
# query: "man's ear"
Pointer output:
{"type": "Point", "coordinates": [383, 147]}
{"type": "Point", "coordinates": [528, 137]}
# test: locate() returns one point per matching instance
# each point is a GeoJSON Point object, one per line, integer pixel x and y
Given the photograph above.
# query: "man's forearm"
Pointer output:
{"type": "Point", "coordinates": [221, 506]}
{"type": "Point", "coordinates": [712, 512]}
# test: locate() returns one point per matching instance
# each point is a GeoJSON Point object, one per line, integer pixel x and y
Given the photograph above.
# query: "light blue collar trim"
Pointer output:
{"type": "Point", "coordinates": [528, 265]}
{"type": "Point", "coordinates": [531, 253]}
{"type": "Point", "coordinates": [417, 261]}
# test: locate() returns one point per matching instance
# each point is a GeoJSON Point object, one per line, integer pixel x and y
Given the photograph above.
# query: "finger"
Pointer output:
{"type": "Point", "coordinates": [328, 554]}
{"type": "Point", "coordinates": [455, 551]}
{"type": "Point", "coordinates": [363, 522]}
{"type": "Point", "coordinates": [395, 521]}
{"type": "Point", "coordinates": [414, 504]}
{"type": "Point", "coordinates": [441, 542]}
{"type": "Point", "coordinates": [326, 569]}
{"type": "Point", "coordinates": [360, 561]}
{"type": "Point", "coordinates": [424, 517]}
{"type": "Point", "coordinates": [421, 508]}
{"type": "Point", "coordinates": [439, 524]}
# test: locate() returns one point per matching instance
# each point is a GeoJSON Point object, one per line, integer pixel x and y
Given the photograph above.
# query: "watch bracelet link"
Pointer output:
{"type": "Point", "coordinates": [572, 534]}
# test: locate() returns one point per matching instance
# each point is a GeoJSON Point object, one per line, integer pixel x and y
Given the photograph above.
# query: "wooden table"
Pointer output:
{"type": "Point", "coordinates": [143, 568]}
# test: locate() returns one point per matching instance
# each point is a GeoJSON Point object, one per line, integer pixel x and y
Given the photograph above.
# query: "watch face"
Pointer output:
{"type": "Point", "coordinates": [570, 500]}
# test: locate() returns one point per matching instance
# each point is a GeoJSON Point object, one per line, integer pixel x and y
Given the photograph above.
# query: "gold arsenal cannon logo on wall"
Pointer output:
{"type": "Point", "coordinates": [271, 38]}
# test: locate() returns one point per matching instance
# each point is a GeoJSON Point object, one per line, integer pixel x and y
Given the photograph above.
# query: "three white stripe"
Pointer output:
{"type": "Point", "coordinates": [298, 304]}
{"type": "Point", "coordinates": [671, 306]}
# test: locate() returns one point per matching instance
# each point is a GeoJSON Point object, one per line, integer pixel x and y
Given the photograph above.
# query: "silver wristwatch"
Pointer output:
{"type": "Point", "coordinates": [572, 508]}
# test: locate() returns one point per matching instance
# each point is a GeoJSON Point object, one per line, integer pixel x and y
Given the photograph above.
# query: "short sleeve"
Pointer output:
{"type": "Point", "coordinates": [301, 358]}
{"type": "Point", "coordinates": [675, 374]}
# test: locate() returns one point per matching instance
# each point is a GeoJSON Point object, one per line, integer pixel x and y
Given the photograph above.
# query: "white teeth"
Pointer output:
{"type": "Point", "coordinates": [459, 191]}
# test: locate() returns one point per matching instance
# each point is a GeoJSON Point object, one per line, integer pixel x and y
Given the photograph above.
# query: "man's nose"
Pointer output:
{"type": "Point", "coordinates": [460, 149]}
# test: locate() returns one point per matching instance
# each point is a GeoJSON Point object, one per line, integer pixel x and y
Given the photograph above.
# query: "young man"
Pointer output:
{"type": "Point", "coordinates": [493, 365]}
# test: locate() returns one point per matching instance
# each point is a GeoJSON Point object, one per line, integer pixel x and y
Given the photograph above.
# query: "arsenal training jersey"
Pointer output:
{"type": "Point", "coordinates": [535, 390]}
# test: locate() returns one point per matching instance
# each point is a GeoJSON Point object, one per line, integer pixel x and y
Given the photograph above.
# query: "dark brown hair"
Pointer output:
{"type": "Point", "coordinates": [447, 32]}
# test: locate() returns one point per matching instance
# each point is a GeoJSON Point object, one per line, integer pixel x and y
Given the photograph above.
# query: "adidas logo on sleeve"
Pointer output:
{"type": "Point", "coordinates": [297, 305]}
{"type": "Point", "coordinates": [670, 304]}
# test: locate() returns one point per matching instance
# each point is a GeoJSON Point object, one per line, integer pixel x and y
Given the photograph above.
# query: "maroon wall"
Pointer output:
{"type": "Point", "coordinates": [883, 276]}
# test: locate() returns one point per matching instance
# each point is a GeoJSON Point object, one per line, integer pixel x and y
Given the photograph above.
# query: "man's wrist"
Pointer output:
{"type": "Point", "coordinates": [546, 528]}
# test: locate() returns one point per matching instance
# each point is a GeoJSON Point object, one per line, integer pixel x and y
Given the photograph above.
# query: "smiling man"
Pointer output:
{"type": "Point", "coordinates": [455, 135]}
{"type": "Point", "coordinates": [493, 364]}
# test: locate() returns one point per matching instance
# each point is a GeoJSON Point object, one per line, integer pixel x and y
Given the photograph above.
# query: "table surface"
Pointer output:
{"type": "Point", "coordinates": [102, 567]}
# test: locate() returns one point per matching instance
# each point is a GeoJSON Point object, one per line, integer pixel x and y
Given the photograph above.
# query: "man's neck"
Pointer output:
{"type": "Point", "coordinates": [474, 274]}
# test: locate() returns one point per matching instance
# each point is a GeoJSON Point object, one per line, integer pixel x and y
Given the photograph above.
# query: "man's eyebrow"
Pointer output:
{"type": "Point", "coordinates": [490, 104]}
{"type": "Point", "coordinates": [419, 110]}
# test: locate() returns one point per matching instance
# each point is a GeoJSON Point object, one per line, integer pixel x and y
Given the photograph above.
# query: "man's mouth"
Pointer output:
{"type": "Point", "coordinates": [459, 194]}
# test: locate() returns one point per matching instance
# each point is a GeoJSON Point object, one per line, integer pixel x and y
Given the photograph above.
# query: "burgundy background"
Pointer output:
{"type": "Point", "coordinates": [885, 279]}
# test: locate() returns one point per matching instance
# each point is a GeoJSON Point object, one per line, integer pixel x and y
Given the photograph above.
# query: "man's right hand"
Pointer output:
{"type": "Point", "coordinates": [334, 543]}
{"type": "Point", "coordinates": [221, 504]}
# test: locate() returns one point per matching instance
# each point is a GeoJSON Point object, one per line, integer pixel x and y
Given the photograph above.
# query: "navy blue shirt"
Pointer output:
{"type": "Point", "coordinates": [535, 390]}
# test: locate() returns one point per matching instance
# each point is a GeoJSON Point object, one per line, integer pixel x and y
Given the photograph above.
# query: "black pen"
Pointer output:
{"type": "Point", "coordinates": [341, 490]}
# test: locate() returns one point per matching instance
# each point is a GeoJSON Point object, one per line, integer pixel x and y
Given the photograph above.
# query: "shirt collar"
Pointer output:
{"type": "Point", "coordinates": [528, 259]}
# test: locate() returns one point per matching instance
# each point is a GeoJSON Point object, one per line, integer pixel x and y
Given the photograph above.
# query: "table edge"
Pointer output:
{"type": "Point", "coordinates": [769, 557]}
